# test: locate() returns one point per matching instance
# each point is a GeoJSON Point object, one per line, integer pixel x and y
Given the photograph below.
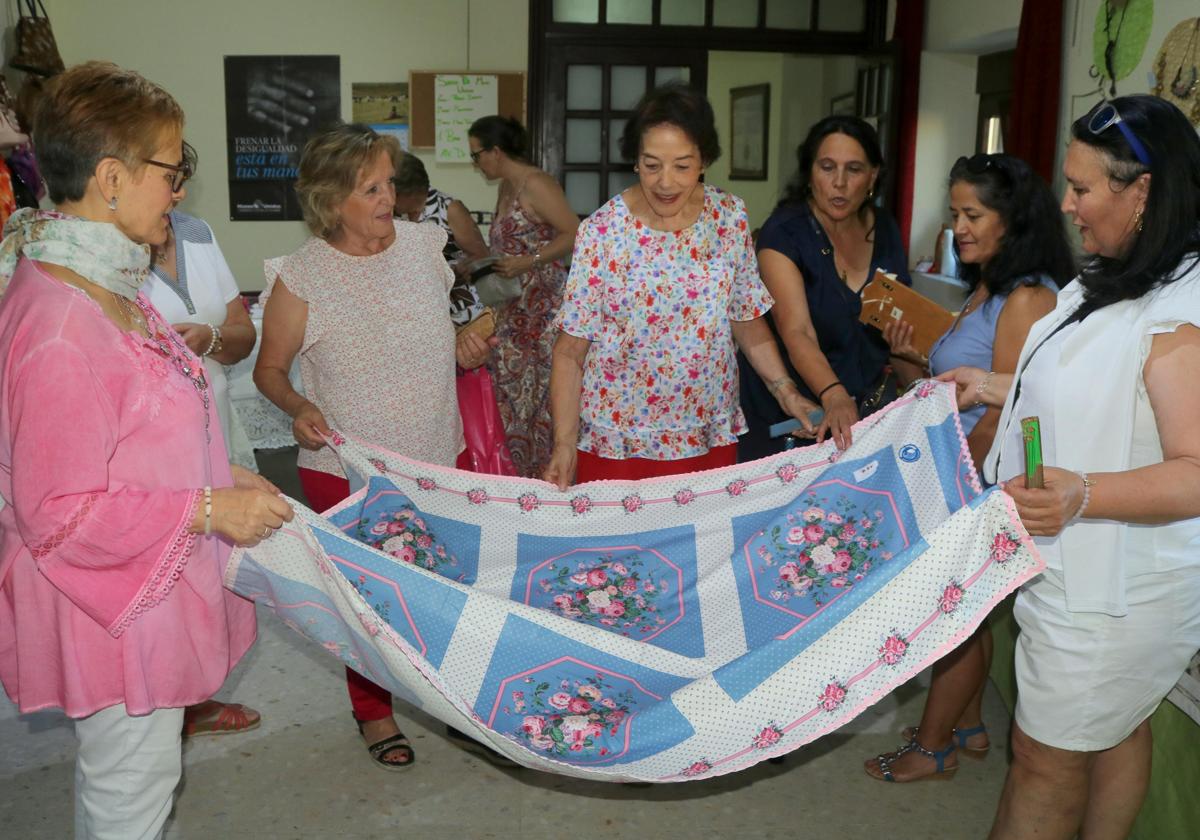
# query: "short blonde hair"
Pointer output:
{"type": "Point", "coordinates": [94, 111]}
{"type": "Point", "coordinates": [329, 171]}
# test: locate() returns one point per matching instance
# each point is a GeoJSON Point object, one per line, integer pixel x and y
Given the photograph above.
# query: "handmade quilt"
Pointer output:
{"type": "Point", "coordinates": [660, 630]}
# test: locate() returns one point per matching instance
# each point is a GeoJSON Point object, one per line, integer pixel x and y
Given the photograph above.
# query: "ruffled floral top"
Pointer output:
{"type": "Point", "coordinates": [660, 380]}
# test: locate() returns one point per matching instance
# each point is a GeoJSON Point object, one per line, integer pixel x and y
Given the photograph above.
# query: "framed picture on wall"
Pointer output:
{"type": "Point", "coordinates": [750, 119]}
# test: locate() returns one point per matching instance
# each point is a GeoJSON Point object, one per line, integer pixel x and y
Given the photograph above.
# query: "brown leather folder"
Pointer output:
{"type": "Point", "coordinates": [886, 298]}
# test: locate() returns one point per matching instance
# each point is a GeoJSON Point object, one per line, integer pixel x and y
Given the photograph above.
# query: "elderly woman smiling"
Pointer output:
{"type": "Point", "coordinates": [365, 304]}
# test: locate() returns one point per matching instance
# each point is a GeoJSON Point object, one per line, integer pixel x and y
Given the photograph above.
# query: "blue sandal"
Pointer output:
{"type": "Point", "coordinates": [961, 736]}
{"type": "Point", "coordinates": [942, 772]}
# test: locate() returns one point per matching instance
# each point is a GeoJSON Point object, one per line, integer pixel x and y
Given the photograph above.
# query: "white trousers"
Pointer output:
{"type": "Point", "coordinates": [126, 772]}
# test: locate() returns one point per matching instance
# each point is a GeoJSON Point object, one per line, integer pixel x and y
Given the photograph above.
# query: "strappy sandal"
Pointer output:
{"type": "Point", "coordinates": [961, 736]}
{"type": "Point", "coordinates": [212, 717]}
{"type": "Point", "coordinates": [941, 772]}
{"type": "Point", "coordinates": [379, 749]}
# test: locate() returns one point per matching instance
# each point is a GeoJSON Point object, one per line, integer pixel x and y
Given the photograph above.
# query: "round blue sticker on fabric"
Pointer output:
{"type": "Point", "coordinates": [909, 453]}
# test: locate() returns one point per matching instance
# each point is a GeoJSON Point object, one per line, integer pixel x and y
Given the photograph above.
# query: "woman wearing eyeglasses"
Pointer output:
{"type": "Point", "coordinates": [1111, 624]}
{"type": "Point", "coordinates": [191, 285]}
{"type": "Point", "coordinates": [533, 232]}
{"type": "Point", "coordinates": [120, 504]}
{"type": "Point", "coordinates": [1013, 249]}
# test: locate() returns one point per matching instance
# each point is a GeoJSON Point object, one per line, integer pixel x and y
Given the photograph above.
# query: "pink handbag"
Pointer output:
{"type": "Point", "coordinates": [487, 446]}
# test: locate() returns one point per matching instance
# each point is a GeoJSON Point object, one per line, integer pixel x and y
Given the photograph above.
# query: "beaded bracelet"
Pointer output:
{"type": "Point", "coordinates": [982, 387]}
{"type": "Point", "coordinates": [207, 511]}
{"type": "Point", "coordinates": [1087, 496]}
{"type": "Point", "coordinates": [774, 387]}
{"type": "Point", "coordinates": [215, 335]}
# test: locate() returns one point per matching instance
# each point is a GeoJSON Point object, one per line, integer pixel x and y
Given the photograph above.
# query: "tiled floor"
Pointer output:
{"type": "Point", "coordinates": [305, 774]}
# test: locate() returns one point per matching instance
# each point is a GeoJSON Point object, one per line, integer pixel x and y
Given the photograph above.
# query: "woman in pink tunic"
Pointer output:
{"type": "Point", "coordinates": [119, 500]}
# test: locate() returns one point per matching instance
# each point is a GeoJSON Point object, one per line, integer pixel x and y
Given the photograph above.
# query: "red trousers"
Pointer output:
{"type": "Point", "coordinates": [590, 467]}
{"type": "Point", "coordinates": [369, 701]}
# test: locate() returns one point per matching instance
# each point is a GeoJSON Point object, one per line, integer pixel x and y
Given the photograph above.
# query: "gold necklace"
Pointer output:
{"type": "Point", "coordinates": [132, 315]}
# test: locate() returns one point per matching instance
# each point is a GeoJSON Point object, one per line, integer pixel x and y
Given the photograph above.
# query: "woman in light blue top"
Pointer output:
{"type": "Point", "coordinates": [1014, 254]}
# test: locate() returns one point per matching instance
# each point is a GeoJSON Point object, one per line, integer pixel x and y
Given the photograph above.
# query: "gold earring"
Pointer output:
{"type": "Point", "coordinates": [1138, 222]}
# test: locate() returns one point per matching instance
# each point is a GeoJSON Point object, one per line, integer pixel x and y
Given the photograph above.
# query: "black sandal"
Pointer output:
{"type": "Point", "coordinates": [379, 749]}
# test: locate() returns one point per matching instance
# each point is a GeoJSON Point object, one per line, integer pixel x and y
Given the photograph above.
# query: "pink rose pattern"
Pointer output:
{"type": "Point", "coordinates": [769, 737]}
{"type": "Point", "coordinates": [477, 496]}
{"type": "Point", "coordinates": [405, 535]}
{"type": "Point", "coordinates": [952, 596]}
{"type": "Point", "coordinates": [378, 464]}
{"type": "Point", "coordinates": [575, 720]}
{"type": "Point", "coordinates": [610, 592]}
{"type": "Point", "coordinates": [426, 483]}
{"type": "Point", "coordinates": [893, 650]}
{"type": "Point", "coordinates": [684, 497]}
{"type": "Point", "coordinates": [736, 487]}
{"type": "Point", "coordinates": [1004, 546]}
{"type": "Point", "coordinates": [528, 502]}
{"type": "Point", "coordinates": [696, 768]}
{"type": "Point", "coordinates": [818, 551]}
{"type": "Point", "coordinates": [581, 505]}
{"type": "Point", "coordinates": [787, 473]}
{"type": "Point", "coordinates": [632, 503]}
{"type": "Point", "coordinates": [832, 697]}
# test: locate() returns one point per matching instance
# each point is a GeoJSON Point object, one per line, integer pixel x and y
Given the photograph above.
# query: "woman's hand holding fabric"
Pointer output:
{"type": "Point", "coordinates": [561, 469]}
{"type": "Point", "coordinates": [1045, 512]}
{"type": "Point", "coordinates": [247, 480]}
{"type": "Point", "coordinates": [966, 382]}
{"type": "Point", "coordinates": [309, 426]}
{"type": "Point", "coordinates": [841, 413]}
{"type": "Point", "coordinates": [247, 516]}
{"type": "Point", "coordinates": [798, 407]}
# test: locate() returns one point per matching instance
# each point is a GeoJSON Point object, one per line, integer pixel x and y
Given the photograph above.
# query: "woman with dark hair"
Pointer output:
{"type": "Point", "coordinates": [663, 283]}
{"type": "Point", "coordinates": [1111, 624]}
{"type": "Point", "coordinates": [817, 251]}
{"type": "Point", "coordinates": [533, 232]}
{"type": "Point", "coordinates": [417, 201]}
{"type": "Point", "coordinates": [1014, 254]}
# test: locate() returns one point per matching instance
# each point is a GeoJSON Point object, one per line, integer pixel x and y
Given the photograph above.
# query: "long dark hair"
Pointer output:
{"type": "Point", "coordinates": [503, 133]}
{"type": "Point", "coordinates": [1170, 233]}
{"type": "Point", "coordinates": [1034, 241]}
{"type": "Point", "coordinates": [859, 130]}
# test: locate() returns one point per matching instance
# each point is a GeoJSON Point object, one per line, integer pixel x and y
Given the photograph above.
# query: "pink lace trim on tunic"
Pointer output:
{"type": "Point", "coordinates": [65, 531]}
{"type": "Point", "coordinates": [167, 572]}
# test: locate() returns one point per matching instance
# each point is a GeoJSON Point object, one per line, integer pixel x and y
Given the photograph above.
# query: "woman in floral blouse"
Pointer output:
{"type": "Point", "coordinates": [662, 283]}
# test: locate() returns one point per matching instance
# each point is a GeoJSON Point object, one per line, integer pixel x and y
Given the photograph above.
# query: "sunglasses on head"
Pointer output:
{"type": "Point", "coordinates": [977, 164]}
{"type": "Point", "coordinates": [1104, 117]}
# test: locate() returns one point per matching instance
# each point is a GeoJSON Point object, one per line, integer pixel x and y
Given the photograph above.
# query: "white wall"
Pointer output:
{"type": "Point", "coordinates": [956, 34]}
{"type": "Point", "coordinates": [1079, 92]}
{"type": "Point", "coordinates": [181, 43]}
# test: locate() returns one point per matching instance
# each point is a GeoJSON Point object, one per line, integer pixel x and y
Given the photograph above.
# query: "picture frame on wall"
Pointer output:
{"type": "Point", "coordinates": [750, 120]}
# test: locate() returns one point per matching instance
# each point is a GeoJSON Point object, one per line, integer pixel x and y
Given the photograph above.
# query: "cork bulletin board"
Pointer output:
{"type": "Point", "coordinates": [510, 94]}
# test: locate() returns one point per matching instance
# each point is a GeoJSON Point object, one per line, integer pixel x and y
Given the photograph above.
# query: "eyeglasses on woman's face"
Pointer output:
{"type": "Point", "coordinates": [181, 172]}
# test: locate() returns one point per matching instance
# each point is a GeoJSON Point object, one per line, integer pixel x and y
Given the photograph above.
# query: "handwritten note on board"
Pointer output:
{"type": "Point", "coordinates": [459, 100]}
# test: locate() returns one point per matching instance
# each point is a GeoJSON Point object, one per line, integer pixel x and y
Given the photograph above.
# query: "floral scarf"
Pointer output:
{"type": "Point", "coordinates": [95, 250]}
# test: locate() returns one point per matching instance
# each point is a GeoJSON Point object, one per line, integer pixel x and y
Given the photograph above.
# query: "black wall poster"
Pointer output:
{"type": "Point", "coordinates": [273, 105]}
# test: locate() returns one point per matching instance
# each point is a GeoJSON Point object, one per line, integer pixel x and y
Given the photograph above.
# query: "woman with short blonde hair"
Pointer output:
{"type": "Point", "coordinates": [364, 303]}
